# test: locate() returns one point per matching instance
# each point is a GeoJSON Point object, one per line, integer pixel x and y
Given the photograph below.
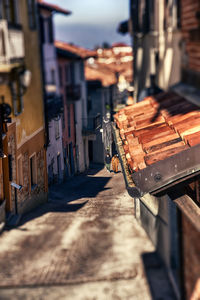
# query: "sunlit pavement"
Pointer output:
{"type": "Point", "coordinates": [83, 244]}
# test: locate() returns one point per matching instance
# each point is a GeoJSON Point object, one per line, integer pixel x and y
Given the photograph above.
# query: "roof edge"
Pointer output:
{"type": "Point", "coordinates": [54, 8]}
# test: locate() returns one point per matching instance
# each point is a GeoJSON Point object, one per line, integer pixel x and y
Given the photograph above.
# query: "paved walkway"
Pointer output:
{"type": "Point", "coordinates": [83, 244]}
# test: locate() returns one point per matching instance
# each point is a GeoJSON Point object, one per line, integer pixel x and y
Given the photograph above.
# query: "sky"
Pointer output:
{"type": "Point", "coordinates": [92, 22]}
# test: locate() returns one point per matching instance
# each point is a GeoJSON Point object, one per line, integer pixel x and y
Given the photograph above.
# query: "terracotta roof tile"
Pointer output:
{"type": "Point", "coordinates": [152, 158]}
{"type": "Point", "coordinates": [157, 128]}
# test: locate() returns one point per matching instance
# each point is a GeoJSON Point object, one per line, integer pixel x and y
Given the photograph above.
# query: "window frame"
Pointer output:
{"type": "Point", "coordinates": [33, 171]}
{"type": "Point", "coordinates": [17, 96]}
{"type": "Point", "coordinates": [20, 173]}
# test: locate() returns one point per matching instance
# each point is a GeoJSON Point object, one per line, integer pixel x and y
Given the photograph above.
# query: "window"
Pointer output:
{"type": "Point", "coordinates": [31, 14]}
{"type": "Point", "coordinates": [42, 30]}
{"type": "Point", "coordinates": [53, 77]}
{"type": "Point", "coordinates": [67, 73]}
{"type": "Point", "coordinates": [171, 18]}
{"type": "Point", "coordinates": [33, 171]}
{"type": "Point", "coordinates": [60, 76]}
{"type": "Point", "coordinates": [50, 30]}
{"type": "Point", "coordinates": [57, 132]}
{"type": "Point", "coordinates": [63, 120]}
{"type": "Point", "coordinates": [81, 70]}
{"type": "Point", "coordinates": [143, 16]}
{"type": "Point", "coordinates": [20, 171]}
{"type": "Point", "coordinates": [89, 104]}
{"type": "Point", "coordinates": [58, 165]}
{"type": "Point", "coordinates": [72, 73]}
{"type": "Point", "coordinates": [16, 91]}
{"type": "Point", "coordinates": [10, 11]}
{"type": "Point", "coordinates": [69, 120]}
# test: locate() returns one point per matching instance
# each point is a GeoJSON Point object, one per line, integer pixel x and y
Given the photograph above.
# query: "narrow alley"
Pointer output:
{"type": "Point", "coordinates": [83, 244]}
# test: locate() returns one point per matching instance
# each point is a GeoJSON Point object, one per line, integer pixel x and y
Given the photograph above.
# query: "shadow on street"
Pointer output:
{"type": "Point", "coordinates": [157, 277]}
{"type": "Point", "coordinates": [79, 187]}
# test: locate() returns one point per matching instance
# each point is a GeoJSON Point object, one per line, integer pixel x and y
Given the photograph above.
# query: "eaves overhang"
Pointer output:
{"type": "Point", "coordinates": [168, 172]}
{"type": "Point", "coordinates": [67, 54]}
{"type": "Point", "coordinates": [167, 145]}
{"type": "Point", "coordinates": [53, 8]}
{"type": "Point", "coordinates": [158, 178]}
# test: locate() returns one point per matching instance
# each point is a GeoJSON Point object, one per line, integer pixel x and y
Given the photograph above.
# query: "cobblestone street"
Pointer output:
{"type": "Point", "coordinates": [83, 244]}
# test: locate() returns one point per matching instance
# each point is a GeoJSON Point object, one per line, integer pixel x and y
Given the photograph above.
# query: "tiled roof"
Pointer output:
{"type": "Point", "coordinates": [53, 7]}
{"type": "Point", "coordinates": [157, 128]}
{"type": "Point", "coordinates": [82, 52]}
{"type": "Point", "coordinates": [100, 73]}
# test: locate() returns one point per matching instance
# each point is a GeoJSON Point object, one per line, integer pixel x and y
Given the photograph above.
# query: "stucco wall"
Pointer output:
{"type": "Point", "coordinates": [191, 256]}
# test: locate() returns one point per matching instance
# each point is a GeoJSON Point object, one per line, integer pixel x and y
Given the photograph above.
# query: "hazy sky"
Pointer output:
{"type": "Point", "coordinates": [91, 22]}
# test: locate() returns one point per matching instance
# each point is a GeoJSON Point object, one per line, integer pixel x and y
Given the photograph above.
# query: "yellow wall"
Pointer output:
{"type": "Point", "coordinates": [31, 119]}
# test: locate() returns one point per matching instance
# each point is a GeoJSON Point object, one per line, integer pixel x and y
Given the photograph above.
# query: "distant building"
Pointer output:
{"type": "Point", "coordinates": [21, 87]}
{"type": "Point", "coordinates": [101, 84]}
{"type": "Point", "coordinates": [73, 88]}
{"type": "Point", "coordinates": [110, 80]}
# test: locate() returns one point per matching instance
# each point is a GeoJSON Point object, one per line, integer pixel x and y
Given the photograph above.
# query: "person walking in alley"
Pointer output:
{"type": "Point", "coordinates": [115, 163]}
{"type": "Point", "coordinates": [108, 161]}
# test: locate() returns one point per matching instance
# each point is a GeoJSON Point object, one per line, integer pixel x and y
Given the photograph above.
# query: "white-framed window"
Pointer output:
{"type": "Point", "coordinates": [20, 170]}
{"type": "Point", "coordinates": [33, 170]}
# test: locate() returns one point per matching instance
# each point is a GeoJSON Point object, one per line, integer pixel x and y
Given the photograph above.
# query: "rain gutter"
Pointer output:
{"type": "Point", "coordinates": [130, 186]}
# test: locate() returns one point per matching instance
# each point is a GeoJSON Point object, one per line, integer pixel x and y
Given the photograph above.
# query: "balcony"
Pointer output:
{"type": "Point", "coordinates": [11, 45]}
{"type": "Point", "coordinates": [91, 124]}
{"type": "Point", "coordinates": [54, 107]}
{"type": "Point", "coordinates": [73, 92]}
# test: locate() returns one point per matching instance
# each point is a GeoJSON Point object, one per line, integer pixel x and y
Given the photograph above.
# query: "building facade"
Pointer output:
{"type": "Point", "coordinates": [156, 43]}
{"type": "Point", "coordinates": [66, 73]}
{"type": "Point", "coordinates": [53, 101]}
{"type": "Point", "coordinates": [24, 161]}
{"type": "Point", "coordinates": [73, 88]}
{"type": "Point", "coordinates": [166, 44]}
